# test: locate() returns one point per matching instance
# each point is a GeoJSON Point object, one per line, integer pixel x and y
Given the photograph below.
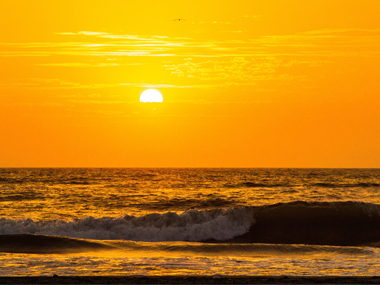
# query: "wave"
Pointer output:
{"type": "Point", "coordinates": [44, 244]}
{"type": "Point", "coordinates": [246, 248]}
{"type": "Point", "coordinates": [21, 197]}
{"type": "Point", "coordinates": [318, 223]}
{"type": "Point", "coordinates": [44, 180]}
{"type": "Point", "coordinates": [256, 185]}
{"type": "Point", "coordinates": [188, 203]}
{"type": "Point", "coordinates": [342, 185]}
{"type": "Point", "coordinates": [317, 184]}
{"type": "Point", "coordinates": [27, 243]}
{"type": "Point", "coordinates": [192, 225]}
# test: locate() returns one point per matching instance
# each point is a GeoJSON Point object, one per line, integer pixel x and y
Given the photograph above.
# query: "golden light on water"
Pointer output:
{"type": "Point", "coordinates": [151, 96]}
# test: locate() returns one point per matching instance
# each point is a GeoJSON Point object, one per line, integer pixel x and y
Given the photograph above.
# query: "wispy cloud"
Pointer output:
{"type": "Point", "coordinates": [147, 85]}
{"type": "Point", "coordinates": [213, 63]}
{"type": "Point", "coordinates": [81, 64]}
{"type": "Point", "coordinates": [99, 102]}
{"type": "Point", "coordinates": [46, 84]}
{"type": "Point", "coordinates": [90, 43]}
{"type": "Point", "coordinates": [236, 69]}
{"type": "Point", "coordinates": [86, 33]}
{"type": "Point", "coordinates": [78, 64]}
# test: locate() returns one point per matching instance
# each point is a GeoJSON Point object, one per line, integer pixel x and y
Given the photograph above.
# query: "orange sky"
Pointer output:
{"type": "Point", "coordinates": [245, 83]}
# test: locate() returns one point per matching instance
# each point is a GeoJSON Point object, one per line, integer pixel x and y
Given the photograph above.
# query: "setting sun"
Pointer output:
{"type": "Point", "coordinates": [151, 96]}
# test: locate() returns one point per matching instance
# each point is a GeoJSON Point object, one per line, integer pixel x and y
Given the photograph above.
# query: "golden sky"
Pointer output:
{"type": "Point", "coordinates": [250, 83]}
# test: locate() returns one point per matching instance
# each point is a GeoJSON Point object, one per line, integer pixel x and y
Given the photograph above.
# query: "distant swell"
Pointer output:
{"type": "Point", "coordinates": [176, 203]}
{"type": "Point", "coordinates": [318, 184]}
{"type": "Point", "coordinates": [322, 223]}
{"type": "Point", "coordinates": [256, 185]}
{"type": "Point", "coordinates": [340, 185]}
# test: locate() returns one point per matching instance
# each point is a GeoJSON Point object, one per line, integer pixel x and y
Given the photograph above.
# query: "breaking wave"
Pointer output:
{"type": "Point", "coordinates": [317, 223]}
{"type": "Point", "coordinates": [192, 225]}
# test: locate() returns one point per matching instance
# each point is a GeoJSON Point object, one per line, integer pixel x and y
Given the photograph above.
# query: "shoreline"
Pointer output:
{"type": "Point", "coordinates": [214, 279]}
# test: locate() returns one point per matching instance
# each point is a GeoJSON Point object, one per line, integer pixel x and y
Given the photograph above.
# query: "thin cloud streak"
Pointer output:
{"type": "Point", "coordinates": [47, 84]}
{"type": "Point", "coordinates": [336, 42]}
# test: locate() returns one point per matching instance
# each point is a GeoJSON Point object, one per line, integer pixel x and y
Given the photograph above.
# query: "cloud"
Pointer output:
{"type": "Point", "coordinates": [201, 63]}
{"type": "Point", "coordinates": [237, 69]}
{"type": "Point", "coordinates": [99, 102]}
{"type": "Point", "coordinates": [47, 84]}
{"type": "Point", "coordinates": [147, 85]}
{"type": "Point", "coordinates": [78, 64]}
{"type": "Point", "coordinates": [83, 64]}
{"type": "Point", "coordinates": [86, 33]}
{"type": "Point", "coordinates": [348, 32]}
{"type": "Point", "coordinates": [341, 42]}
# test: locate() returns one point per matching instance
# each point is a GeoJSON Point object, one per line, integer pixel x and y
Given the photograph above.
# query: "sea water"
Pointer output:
{"type": "Point", "coordinates": [177, 221]}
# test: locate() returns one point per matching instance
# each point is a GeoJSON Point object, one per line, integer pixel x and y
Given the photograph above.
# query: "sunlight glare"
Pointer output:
{"type": "Point", "coordinates": [151, 96]}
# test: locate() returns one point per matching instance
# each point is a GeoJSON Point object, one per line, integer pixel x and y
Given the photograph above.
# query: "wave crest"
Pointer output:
{"type": "Point", "coordinates": [192, 225]}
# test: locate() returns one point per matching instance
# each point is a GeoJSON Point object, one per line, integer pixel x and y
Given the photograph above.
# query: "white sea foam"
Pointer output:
{"type": "Point", "coordinates": [192, 225]}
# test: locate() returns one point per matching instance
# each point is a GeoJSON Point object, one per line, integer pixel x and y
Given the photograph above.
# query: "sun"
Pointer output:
{"type": "Point", "coordinates": [151, 96]}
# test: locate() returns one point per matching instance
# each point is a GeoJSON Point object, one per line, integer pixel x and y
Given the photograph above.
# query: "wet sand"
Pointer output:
{"type": "Point", "coordinates": [216, 279]}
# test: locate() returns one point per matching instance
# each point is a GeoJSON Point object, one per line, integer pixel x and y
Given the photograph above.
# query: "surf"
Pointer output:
{"type": "Point", "coordinates": [313, 223]}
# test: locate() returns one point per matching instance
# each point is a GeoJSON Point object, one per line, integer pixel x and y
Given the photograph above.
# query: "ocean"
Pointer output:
{"type": "Point", "coordinates": [189, 222]}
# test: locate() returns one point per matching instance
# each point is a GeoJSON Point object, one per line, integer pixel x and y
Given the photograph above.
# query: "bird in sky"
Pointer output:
{"type": "Point", "coordinates": [179, 20]}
